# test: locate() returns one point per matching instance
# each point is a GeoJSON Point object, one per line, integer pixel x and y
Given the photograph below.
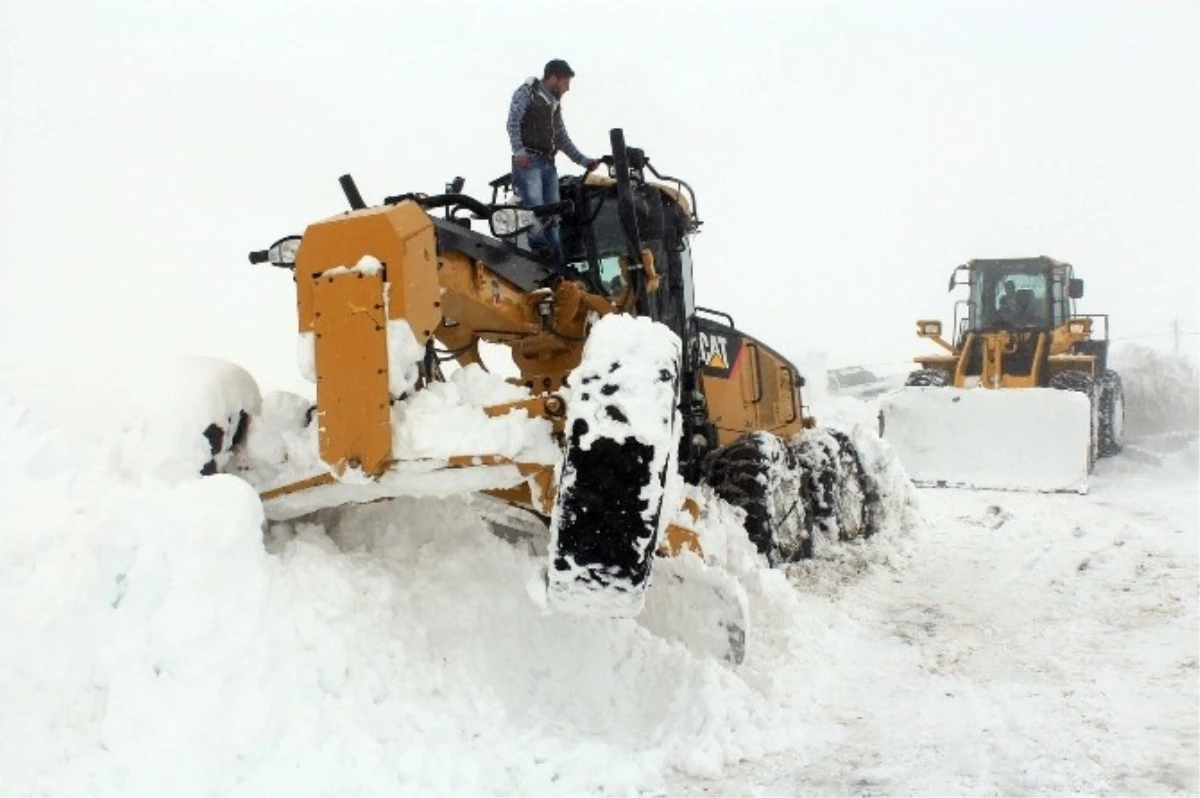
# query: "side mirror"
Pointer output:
{"type": "Point", "coordinates": [282, 253]}
{"type": "Point", "coordinates": [954, 274]}
{"type": "Point", "coordinates": [510, 220]}
{"type": "Point", "coordinates": [1075, 288]}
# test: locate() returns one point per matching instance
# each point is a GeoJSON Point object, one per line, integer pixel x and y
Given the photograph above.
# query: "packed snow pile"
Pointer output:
{"type": "Point", "coordinates": [179, 408]}
{"type": "Point", "coordinates": [1162, 391]}
{"type": "Point", "coordinates": [174, 402]}
{"type": "Point", "coordinates": [170, 639]}
{"type": "Point", "coordinates": [390, 647]}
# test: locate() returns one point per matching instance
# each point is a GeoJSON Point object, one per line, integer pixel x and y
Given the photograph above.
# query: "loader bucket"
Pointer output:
{"type": "Point", "coordinates": [1030, 439]}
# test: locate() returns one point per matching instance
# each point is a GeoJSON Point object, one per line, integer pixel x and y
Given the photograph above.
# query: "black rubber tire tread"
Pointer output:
{"type": "Point", "coordinates": [741, 474]}
{"type": "Point", "coordinates": [602, 510]}
{"type": "Point", "coordinates": [927, 377]}
{"type": "Point", "coordinates": [830, 471]}
{"type": "Point", "coordinates": [851, 469]}
{"type": "Point", "coordinates": [217, 436]}
{"type": "Point", "coordinates": [1112, 403]}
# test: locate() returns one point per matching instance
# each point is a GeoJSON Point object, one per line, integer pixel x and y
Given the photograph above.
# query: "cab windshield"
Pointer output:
{"type": "Point", "coordinates": [1013, 297]}
{"type": "Point", "coordinates": [608, 240]}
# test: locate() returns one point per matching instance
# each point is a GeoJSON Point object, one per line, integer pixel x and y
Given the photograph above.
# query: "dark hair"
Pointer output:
{"type": "Point", "coordinates": [558, 67]}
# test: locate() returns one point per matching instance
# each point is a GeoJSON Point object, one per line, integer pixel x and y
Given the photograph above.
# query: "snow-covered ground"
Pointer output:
{"type": "Point", "coordinates": [1004, 643]}
{"type": "Point", "coordinates": [1027, 645]}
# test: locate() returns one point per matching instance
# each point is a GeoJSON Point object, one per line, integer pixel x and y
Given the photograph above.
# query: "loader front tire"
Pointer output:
{"type": "Point", "coordinates": [934, 378]}
{"type": "Point", "coordinates": [1111, 430]}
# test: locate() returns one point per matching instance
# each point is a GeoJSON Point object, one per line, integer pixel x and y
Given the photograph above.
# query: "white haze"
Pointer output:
{"type": "Point", "coordinates": [846, 156]}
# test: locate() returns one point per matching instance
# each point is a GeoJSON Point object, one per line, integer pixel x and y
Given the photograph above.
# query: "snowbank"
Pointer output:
{"type": "Point", "coordinates": [383, 648]}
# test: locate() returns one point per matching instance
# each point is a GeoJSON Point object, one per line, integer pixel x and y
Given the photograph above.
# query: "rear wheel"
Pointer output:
{"type": "Point", "coordinates": [845, 500]}
{"type": "Point", "coordinates": [927, 377]}
{"type": "Point", "coordinates": [1083, 383]}
{"type": "Point", "coordinates": [760, 474]}
{"type": "Point", "coordinates": [1111, 430]}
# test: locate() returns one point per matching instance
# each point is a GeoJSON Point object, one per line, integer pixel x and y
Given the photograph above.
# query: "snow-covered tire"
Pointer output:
{"type": "Point", "coordinates": [1083, 383]}
{"type": "Point", "coordinates": [845, 499]}
{"type": "Point", "coordinates": [1111, 428]}
{"type": "Point", "coordinates": [759, 473]}
{"type": "Point", "coordinates": [193, 414]}
{"type": "Point", "coordinates": [224, 439]}
{"type": "Point", "coordinates": [622, 425]}
{"type": "Point", "coordinates": [927, 377]}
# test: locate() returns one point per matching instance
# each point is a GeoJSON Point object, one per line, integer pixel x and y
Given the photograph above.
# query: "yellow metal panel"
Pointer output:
{"type": "Point", "coordinates": [401, 237]}
{"type": "Point", "coordinates": [353, 408]}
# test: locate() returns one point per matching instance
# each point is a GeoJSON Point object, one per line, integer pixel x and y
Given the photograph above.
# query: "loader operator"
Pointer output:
{"type": "Point", "coordinates": [1007, 306]}
{"type": "Point", "coordinates": [536, 133]}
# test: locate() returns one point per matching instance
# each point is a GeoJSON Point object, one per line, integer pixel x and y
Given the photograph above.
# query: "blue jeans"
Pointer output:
{"type": "Point", "coordinates": [537, 184]}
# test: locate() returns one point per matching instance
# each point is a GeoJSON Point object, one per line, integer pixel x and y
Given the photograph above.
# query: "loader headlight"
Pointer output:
{"type": "Point", "coordinates": [509, 221]}
{"type": "Point", "coordinates": [932, 329]}
{"type": "Point", "coordinates": [1077, 327]}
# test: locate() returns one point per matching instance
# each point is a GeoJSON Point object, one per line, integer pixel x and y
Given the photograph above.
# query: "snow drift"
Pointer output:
{"type": "Point", "coordinates": [389, 647]}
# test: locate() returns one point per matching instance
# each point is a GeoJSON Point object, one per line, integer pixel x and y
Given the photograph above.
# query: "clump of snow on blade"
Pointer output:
{"type": "Point", "coordinates": [447, 418]}
{"type": "Point", "coordinates": [404, 356]}
{"type": "Point", "coordinates": [306, 356]}
{"type": "Point", "coordinates": [171, 404]}
{"type": "Point", "coordinates": [438, 422]}
{"type": "Point", "coordinates": [624, 388]}
{"type": "Point", "coordinates": [281, 431]}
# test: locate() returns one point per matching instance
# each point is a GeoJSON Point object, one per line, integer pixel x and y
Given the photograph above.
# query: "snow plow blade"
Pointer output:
{"type": "Point", "coordinates": [1029, 439]}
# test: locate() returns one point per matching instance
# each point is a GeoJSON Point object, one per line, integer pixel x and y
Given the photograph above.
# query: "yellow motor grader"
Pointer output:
{"type": "Point", "coordinates": [1022, 397]}
{"type": "Point", "coordinates": [644, 397]}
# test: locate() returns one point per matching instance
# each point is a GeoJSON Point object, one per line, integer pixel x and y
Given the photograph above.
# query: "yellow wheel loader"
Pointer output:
{"type": "Point", "coordinates": [1022, 397]}
{"type": "Point", "coordinates": [649, 404]}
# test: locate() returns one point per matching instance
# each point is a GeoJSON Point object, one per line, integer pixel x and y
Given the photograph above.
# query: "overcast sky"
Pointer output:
{"type": "Point", "coordinates": [846, 155]}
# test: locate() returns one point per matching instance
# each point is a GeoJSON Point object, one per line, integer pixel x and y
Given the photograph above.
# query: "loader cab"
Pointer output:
{"type": "Point", "coordinates": [1021, 294]}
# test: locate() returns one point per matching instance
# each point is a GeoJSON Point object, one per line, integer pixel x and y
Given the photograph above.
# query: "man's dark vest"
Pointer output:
{"type": "Point", "coordinates": [538, 124]}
